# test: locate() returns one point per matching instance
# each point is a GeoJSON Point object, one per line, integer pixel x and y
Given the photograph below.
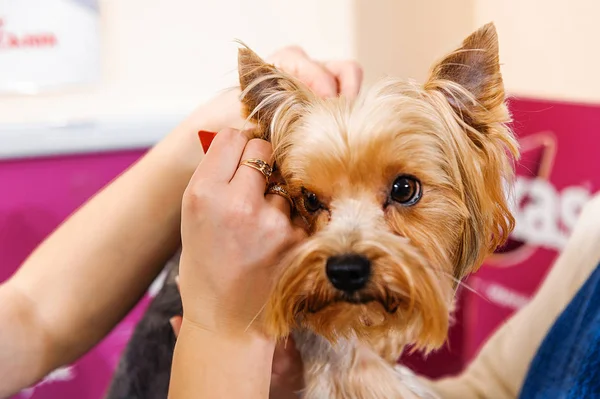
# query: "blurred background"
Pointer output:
{"type": "Point", "coordinates": [87, 86]}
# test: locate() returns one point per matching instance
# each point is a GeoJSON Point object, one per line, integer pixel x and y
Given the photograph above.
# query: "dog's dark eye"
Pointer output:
{"type": "Point", "coordinates": [406, 190]}
{"type": "Point", "coordinates": [311, 202]}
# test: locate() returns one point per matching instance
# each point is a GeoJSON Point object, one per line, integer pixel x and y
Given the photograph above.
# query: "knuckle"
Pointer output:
{"type": "Point", "coordinates": [287, 53]}
{"type": "Point", "coordinates": [230, 134]}
{"type": "Point", "coordinates": [195, 198]}
{"type": "Point", "coordinates": [294, 49]}
{"type": "Point", "coordinates": [241, 209]}
{"type": "Point", "coordinates": [356, 68]}
{"type": "Point", "coordinates": [262, 147]}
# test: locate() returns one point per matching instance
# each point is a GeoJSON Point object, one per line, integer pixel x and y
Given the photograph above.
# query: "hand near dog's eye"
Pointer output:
{"type": "Point", "coordinates": [232, 235]}
{"type": "Point", "coordinates": [326, 79]}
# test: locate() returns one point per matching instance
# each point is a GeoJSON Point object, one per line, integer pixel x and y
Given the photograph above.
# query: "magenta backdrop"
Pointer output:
{"type": "Point", "coordinates": [557, 174]}
{"type": "Point", "coordinates": [37, 195]}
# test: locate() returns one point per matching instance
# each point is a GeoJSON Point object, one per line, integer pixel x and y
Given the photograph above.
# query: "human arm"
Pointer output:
{"type": "Point", "coordinates": [88, 274]}
{"type": "Point", "coordinates": [287, 371]}
{"type": "Point", "coordinates": [500, 368]}
{"type": "Point", "coordinates": [82, 280]}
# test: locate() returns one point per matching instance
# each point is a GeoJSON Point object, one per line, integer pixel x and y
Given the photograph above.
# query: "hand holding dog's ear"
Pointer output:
{"type": "Point", "coordinates": [287, 82]}
{"type": "Point", "coordinates": [232, 236]}
{"type": "Point", "coordinates": [325, 79]}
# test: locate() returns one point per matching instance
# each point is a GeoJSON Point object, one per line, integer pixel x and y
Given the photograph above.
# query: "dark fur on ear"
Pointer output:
{"type": "Point", "coordinates": [268, 93]}
{"type": "Point", "coordinates": [470, 82]}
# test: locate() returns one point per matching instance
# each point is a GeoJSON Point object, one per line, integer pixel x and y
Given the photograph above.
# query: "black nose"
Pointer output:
{"type": "Point", "coordinates": [348, 272]}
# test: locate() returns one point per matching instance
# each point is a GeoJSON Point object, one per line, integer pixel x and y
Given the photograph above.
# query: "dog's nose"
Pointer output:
{"type": "Point", "coordinates": [348, 272]}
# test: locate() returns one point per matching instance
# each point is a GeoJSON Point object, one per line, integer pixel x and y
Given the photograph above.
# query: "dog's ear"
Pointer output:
{"type": "Point", "coordinates": [272, 99]}
{"type": "Point", "coordinates": [469, 80]}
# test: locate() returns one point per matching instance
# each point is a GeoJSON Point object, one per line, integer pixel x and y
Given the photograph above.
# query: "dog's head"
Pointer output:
{"type": "Point", "coordinates": [403, 190]}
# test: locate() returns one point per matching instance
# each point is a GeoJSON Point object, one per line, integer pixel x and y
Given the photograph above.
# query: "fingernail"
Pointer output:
{"type": "Point", "coordinates": [206, 139]}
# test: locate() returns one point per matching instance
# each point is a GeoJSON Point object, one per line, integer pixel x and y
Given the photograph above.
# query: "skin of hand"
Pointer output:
{"type": "Point", "coordinates": [53, 319]}
{"type": "Point", "coordinates": [232, 238]}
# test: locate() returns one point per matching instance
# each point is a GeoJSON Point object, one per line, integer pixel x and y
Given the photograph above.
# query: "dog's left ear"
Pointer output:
{"type": "Point", "coordinates": [469, 80]}
{"type": "Point", "coordinates": [272, 99]}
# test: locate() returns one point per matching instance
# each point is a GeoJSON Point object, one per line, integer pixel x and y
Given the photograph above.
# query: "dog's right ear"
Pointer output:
{"type": "Point", "coordinates": [272, 99]}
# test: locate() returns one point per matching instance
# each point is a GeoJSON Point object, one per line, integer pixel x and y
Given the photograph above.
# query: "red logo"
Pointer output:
{"type": "Point", "coordinates": [12, 41]}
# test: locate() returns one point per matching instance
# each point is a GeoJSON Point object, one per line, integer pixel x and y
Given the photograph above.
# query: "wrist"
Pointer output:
{"type": "Point", "coordinates": [221, 112]}
{"type": "Point", "coordinates": [249, 338]}
{"type": "Point", "coordinates": [205, 364]}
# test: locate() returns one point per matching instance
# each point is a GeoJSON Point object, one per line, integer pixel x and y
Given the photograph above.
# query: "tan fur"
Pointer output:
{"type": "Point", "coordinates": [451, 134]}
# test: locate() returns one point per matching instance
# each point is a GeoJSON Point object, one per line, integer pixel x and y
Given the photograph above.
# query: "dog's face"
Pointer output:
{"type": "Point", "coordinates": [402, 191]}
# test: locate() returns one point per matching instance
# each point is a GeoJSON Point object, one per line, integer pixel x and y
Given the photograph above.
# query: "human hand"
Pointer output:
{"type": "Point", "coordinates": [326, 79]}
{"type": "Point", "coordinates": [232, 236]}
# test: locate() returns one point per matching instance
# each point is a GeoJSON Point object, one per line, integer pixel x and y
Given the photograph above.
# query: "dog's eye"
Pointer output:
{"type": "Point", "coordinates": [406, 190]}
{"type": "Point", "coordinates": [311, 202]}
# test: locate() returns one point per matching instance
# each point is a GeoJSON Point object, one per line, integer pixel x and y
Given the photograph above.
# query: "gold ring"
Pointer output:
{"type": "Point", "coordinates": [277, 189]}
{"type": "Point", "coordinates": [259, 165]}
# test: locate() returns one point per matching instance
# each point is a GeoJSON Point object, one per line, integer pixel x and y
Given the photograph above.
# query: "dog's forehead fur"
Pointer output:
{"type": "Point", "coordinates": [343, 147]}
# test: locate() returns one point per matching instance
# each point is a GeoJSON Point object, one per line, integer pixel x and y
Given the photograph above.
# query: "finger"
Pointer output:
{"type": "Point", "coordinates": [348, 74]}
{"type": "Point", "coordinates": [296, 62]}
{"type": "Point", "coordinates": [279, 202]}
{"type": "Point", "coordinates": [299, 234]}
{"type": "Point", "coordinates": [176, 324]}
{"type": "Point", "coordinates": [300, 223]}
{"type": "Point", "coordinates": [315, 76]}
{"type": "Point", "coordinates": [249, 180]}
{"type": "Point", "coordinates": [278, 196]}
{"type": "Point", "coordinates": [223, 156]}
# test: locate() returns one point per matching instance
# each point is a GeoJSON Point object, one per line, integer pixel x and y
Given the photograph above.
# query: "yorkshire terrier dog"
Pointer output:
{"type": "Point", "coordinates": [404, 192]}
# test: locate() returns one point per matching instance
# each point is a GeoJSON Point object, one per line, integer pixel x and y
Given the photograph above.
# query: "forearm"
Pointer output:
{"type": "Point", "coordinates": [85, 277]}
{"type": "Point", "coordinates": [208, 365]}
{"type": "Point", "coordinates": [22, 344]}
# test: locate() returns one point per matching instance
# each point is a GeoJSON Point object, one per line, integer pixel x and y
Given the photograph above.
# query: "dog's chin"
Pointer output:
{"type": "Point", "coordinates": [348, 315]}
{"type": "Point", "coordinates": [353, 300]}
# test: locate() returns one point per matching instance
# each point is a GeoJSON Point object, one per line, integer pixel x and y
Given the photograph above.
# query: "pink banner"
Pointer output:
{"type": "Point", "coordinates": [38, 194]}
{"type": "Point", "coordinates": [557, 175]}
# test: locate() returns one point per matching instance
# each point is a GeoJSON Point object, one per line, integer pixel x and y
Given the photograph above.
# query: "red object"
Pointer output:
{"type": "Point", "coordinates": [206, 139]}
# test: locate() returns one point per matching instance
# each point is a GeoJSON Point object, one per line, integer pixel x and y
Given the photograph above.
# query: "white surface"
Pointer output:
{"type": "Point", "coordinates": [165, 57]}
{"type": "Point", "coordinates": [22, 141]}
{"type": "Point", "coordinates": [547, 47]}
{"type": "Point", "coordinates": [48, 44]}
